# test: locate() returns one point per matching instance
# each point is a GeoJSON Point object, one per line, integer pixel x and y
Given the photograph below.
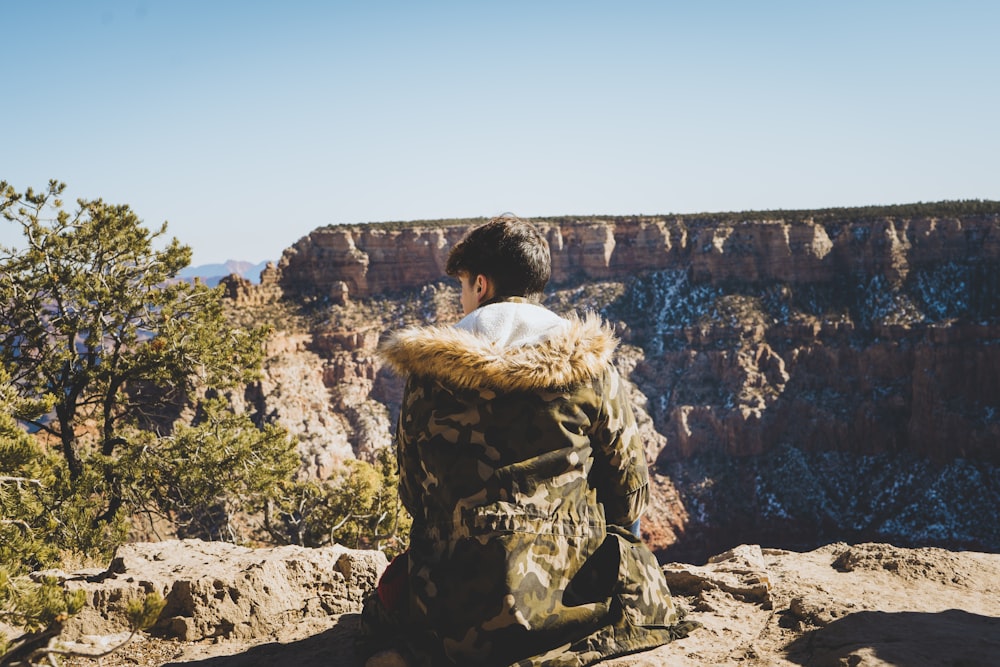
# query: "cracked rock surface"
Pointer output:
{"type": "Point", "coordinates": [868, 604]}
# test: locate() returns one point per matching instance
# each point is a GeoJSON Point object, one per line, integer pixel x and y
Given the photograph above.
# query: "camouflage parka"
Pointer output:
{"type": "Point", "coordinates": [520, 463]}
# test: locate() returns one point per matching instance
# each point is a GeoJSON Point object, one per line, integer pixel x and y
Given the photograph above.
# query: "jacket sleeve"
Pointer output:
{"type": "Point", "coordinates": [407, 456]}
{"type": "Point", "coordinates": [619, 474]}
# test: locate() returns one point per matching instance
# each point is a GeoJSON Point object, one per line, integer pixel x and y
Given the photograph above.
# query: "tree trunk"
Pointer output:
{"type": "Point", "coordinates": [73, 459]}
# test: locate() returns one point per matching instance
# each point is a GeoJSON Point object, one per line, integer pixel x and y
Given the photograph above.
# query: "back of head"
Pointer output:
{"type": "Point", "coordinates": [509, 251]}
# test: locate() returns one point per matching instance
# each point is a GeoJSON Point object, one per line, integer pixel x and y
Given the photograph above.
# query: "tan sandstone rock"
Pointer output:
{"type": "Point", "coordinates": [867, 605]}
{"type": "Point", "coordinates": [221, 590]}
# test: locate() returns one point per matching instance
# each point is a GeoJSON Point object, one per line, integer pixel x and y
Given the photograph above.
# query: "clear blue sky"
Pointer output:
{"type": "Point", "coordinates": [248, 124]}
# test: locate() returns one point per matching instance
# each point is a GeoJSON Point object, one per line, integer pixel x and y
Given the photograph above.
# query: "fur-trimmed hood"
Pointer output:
{"type": "Point", "coordinates": [507, 346]}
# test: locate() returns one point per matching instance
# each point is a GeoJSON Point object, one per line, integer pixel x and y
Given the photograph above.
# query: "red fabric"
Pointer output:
{"type": "Point", "coordinates": [393, 585]}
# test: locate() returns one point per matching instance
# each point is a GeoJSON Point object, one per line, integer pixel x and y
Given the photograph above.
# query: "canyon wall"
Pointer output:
{"type": "Point", "coordinates": [374, 259]}
{"type": "Point", "coordinates": [797, 381]}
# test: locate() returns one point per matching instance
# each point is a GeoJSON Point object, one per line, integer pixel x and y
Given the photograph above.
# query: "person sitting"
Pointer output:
{"type": "Point", "coordinates": [521, 465]}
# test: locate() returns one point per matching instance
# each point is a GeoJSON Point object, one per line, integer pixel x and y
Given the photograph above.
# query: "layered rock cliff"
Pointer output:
{"type": "Point", "coordinates": [804, 248]}
{"type": "Point", "coordinates": [800, 377]}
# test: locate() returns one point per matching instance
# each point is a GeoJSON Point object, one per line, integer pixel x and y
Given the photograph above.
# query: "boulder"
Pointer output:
{"type": "Point", "coordinates": [225, 591]}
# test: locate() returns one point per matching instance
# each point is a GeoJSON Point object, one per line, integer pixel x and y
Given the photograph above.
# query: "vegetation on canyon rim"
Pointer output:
{"type": "Point", "coordinates": [919, 209]}
{"type": "Point", "coordinates": [120, 372]}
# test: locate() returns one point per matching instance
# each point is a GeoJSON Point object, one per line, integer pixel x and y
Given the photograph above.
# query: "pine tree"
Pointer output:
{"type": "Point", "coordinates": [92, 316]}
{"type": "Point", "coordinates": [26, 531]}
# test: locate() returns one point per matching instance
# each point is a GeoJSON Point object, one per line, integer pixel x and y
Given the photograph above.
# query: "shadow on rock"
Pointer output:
{"type": "Point", "coordinates": [330, 648]}
{"type": "Point", "coordinates": [905, 639]}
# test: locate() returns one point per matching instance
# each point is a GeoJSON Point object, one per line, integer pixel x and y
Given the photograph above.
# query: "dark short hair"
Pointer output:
{"type": "Point", "coordinates": [512, 253]}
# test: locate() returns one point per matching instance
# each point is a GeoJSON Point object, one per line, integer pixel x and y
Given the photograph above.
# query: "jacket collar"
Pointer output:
{"type": "Point", "coordinates": [511, 345]}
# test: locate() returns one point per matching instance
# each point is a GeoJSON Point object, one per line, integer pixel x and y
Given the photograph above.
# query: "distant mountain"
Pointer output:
{"type": "Point", "coordinates": [211, 274]}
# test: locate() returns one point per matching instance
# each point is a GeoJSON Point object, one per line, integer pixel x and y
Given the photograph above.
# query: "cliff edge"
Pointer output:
{"type": "Point", "coordinates": [795, 248]}
{"type": "Point", "coordinates": [867, 604]}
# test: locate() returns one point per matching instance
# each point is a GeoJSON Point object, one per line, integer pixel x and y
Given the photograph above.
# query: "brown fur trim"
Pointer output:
{"type": "Point", "coordinates": [460, 359]}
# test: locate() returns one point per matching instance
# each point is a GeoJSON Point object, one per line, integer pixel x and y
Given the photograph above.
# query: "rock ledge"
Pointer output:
{"type": "Point", "coordinates": [225, 591]}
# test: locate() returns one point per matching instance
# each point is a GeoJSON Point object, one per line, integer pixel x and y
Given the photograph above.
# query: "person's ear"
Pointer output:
{"type": "Point", "coordinates": [482, 287]}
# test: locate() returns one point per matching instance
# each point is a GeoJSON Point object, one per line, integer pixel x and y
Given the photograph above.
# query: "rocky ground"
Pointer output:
{"type": "Point", "coordinates": [867, 604]}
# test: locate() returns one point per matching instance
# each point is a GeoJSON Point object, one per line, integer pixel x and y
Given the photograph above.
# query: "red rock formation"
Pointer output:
{"type": "Point", "coordinates": [245, 293]}
{"type": "Point", "coordinates": [726, 403]}
{"type": "Point", "coordinates": [368, 260]}
{"type": "Point", "coordinates": [372, 259]}
{"type": "Point", "coordinates": [930, 390]}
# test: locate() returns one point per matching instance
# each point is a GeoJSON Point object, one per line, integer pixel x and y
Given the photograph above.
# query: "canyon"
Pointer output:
{"type": "Point", "coordinates": [818, 394]}
{"type": "Point", "coordinates": [799, 377]}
